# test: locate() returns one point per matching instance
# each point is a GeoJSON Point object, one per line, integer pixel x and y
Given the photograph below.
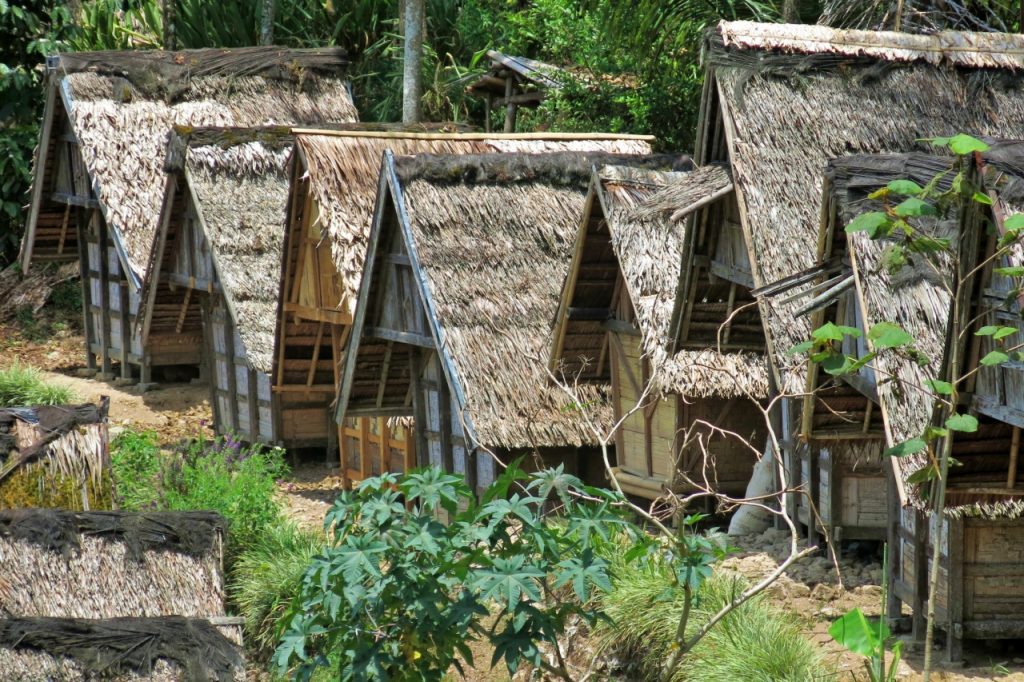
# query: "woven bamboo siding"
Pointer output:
{"type": "Point", "coordinates": [65, 188]}
{"type": "Point", "coordinates": [241, 394]}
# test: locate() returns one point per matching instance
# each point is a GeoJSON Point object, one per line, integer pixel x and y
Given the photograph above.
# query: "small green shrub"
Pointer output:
{"type": "Point", "coordinates": [755, 643]}
{"type": "Point", "coordinates": [220, 475]}
{"type": "Point", "coordinates": [23, 385]}
{"type": "Point", "coordinates": [267, 577]}
{"type": "Point", "coordinates": [136, 461]}
{"type": "Point", "coordinates": [66, 297]}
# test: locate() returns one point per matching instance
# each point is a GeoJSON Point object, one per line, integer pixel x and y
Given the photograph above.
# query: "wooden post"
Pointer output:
{"type": "Point", "coordinates": [384, 444]}
{"type": "Point", "coordinates": [487, 113]}
{"type": "Point", "coordinates": [82, 220]}
{"type": "Point", "coordinates": [920, 586]}
{"type": "Point", "coordinates": [418, 410]}
{"type": "Point", "coordinates": [105, 373]}
{"type": "Point", "coordinates": [254, 407]}
{"type": "Point", "coordinates": [1011, 477]}
{"type": "Point", "coordinates": [126, 340]}
{"type": "Point", "coordinates": [228, 325]}
{"type": "Point", "coordinates": [814, 491]}
{"type": "Point", "coordinates": [510, 108]}
{"type": "Point", "coordinates": [955, 591]}
{"type": "Point", "coordinates": [364, 442]}
{"type": "Point", "coordinates": [835, 499]}
{"type": "Point", "coordinates": [332, 426]}
{"type": "Point", "coordinates": [445, 405]}
{"type": "Point", "coordinates": [893, 605]}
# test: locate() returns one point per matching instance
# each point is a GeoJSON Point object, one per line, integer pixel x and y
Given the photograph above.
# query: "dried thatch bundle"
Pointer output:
{"type": "Point", "coordinates": [344, 169]}
{"type": "Point", "coordinates": [646, 216]}
{"type": "Point", "coordinates": [54, 454]}
{"type": "Point", "coordinates": [793, 97]}
{"type": "Point", "coordinates": [109, 564]}
{"type": "Point", "coordinates": [122, 105]}
{"type": "Point", "coordinates": [121, 649]}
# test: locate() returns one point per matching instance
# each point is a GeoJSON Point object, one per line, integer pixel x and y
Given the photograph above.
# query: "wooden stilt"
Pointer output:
{"type": "Point", "coordinates": [1011, 476]}
{"type": "Point", "coordinates": [104, 271]}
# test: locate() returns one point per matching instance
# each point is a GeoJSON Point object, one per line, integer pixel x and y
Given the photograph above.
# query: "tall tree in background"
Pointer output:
{"type": "Point", "coordinates": [267, 22]}
{"type": "Point", "coordinates": [414, 19]}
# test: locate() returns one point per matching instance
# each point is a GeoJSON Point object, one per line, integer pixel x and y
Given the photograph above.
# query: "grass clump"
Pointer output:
{"type": "Point", "coordinates": [755, 643]}
{"type": "Point", "coordinates": [268, 577]}
{"type": "Point", "coordinates": [220, 475]}
{"type": "Point", "coordinates": [23, 385]}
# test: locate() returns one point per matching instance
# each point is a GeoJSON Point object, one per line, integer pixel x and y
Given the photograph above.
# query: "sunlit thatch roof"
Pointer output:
{"type": "Point", "coordinates": [122, 106]}
{"type": "Point", "coordinates": [784, 99]}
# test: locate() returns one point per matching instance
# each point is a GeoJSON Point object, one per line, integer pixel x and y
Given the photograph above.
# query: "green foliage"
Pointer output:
{"type": "Point", "coordinates": [28, 31]}
{"type": "Point", "coordinates": [870, 637]}
{"type": "Point", "coordinates": [23, 385]}
{"type": "Point", "coordinates": [754, 642]}
{"type": "Point", "coordinates": [398, 595]}
{"type": "Point", "coordinates": [267, 577]}
{"type": "Point", "coordinates": [220, 475]}
{"type": "Point", "coordinates": [137, 464]}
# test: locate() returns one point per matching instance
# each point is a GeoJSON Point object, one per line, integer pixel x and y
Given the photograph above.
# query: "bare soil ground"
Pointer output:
{"type": "Point", "coordinates": [812, 590]}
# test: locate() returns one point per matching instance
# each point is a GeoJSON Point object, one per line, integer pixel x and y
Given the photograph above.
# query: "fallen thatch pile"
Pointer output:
{"type": "Point", "coordinates": [121, 649]}
{"type": "Point", "coordinates": [55, 455]}
{"type": "Point", "coordinates": [110, 564]}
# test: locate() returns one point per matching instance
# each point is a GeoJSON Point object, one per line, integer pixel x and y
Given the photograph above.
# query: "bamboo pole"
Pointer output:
{"type": "Point", "coordinates": [1011, 477]}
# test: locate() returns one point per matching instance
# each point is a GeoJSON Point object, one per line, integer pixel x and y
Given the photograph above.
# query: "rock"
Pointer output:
{"type": "Point", "coordinates": [799, 590]}
{"type": "Point", "coordinates": [823, 592]}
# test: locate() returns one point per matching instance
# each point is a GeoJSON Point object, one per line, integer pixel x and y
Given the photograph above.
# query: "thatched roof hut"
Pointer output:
{"type": "Point", "coordinates": [983, 523]}
{"type": "Point", "coordinates": [55, 456]}
{"type": "Point", "coordinates": [614, 323]}
{"type": "Point", "coordinates": [99, 178]}
{"type": "Point", "coordinates": [466, 260]}
{"type": "Point", "coordinates": [781, 100]}
{"type": "Point", "coordinates": [334, 183]}
{"type": "Point", "coordinates": [118, 109]}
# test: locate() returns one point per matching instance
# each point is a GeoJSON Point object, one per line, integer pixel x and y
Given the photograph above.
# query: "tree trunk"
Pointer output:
{"type": "Point", "coordinates": [170, 18]}
{"type": "Point", "coordinates": [412, 79]}
{"type": "Point", "coordinates": [267, 22]}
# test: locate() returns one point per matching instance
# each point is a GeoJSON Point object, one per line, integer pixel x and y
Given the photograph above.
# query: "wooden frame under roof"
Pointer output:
{"type": "Point", "coordinates": [982, 525]}
{"type": "Point", "coordinates": [333, 187]}
{"type": "Point", "coordinates": [463, 270]}
{"type": "Point", "coordinates": [614, 324]}
{"type": "Point", "coordinates": [98, 179]}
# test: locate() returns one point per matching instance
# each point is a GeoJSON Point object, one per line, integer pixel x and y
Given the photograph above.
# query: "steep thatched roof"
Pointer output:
{"type": "Point", "coordinates": [491, 237]}
{"type": "Point", "coordinates": [916, 296]}
{"type": "Point", "coordinates": [645, 214]}
{"type": "Point", "coordinates": [343, 169]}
{"type": "Point", "coordinates": [122, 105]}
{"type": "Point", "coordinates": [109, 564]}
{"type": "Point", "coordinates": [792, 97]}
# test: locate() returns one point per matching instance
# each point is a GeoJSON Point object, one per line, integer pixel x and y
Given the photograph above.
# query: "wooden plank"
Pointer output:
{"type": "Point", "coordinates": [316, 355]}
{"type": "Point", "coordinates": [87, 318]}
{"type": "Point", "coordinates": [254, 406]}
{"type": "Point", "coordinates": [1011, 476]}
{"type": "Point", "coordinates": [74, 200]}
{"type": "Point", "coordinates": [893, 609]}
{"type": "Point", "coordinates": [418, 408]}
{"type": "Point", "coordinates": [409, 338]}
{"type": "Point", "coordinates": [104, 270]}
{"type": "Point", "coordinates": [126, 340]}
{"type": "Point", "coordinates": [229, 354]}
{"type": "Point", "coordinates": [731, 274]}
{"type": "Point", "coordinates": [385, 368]}
{"type": "Point", "coordinates": [955, 596]}
{"type": "Point", "coordinates": [920, 588]}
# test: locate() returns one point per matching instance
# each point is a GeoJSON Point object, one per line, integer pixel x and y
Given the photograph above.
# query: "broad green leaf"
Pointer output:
{"type": "Point", "coordinates": [905, 187]}
{"type": "Point", "coordinates": [889, 335]}
{"type": "Point", "coordinates": [996, 357]}
{"type": "Point", "coordinates": [940, 387]}
{"type": "Point", "coordinates": [800, 348]}
{"type": "Point", "coordinates": [1004, 332]}
{"type": "Point", "coordinates": [922, 475]}
{"type": "Point", "coordinates": [962, 422]}
{"type": "Point", "coordinates": [987, 330]}
{"type": "Point", "coordinates": [870, 222]}
{"type": "Point", "coordinates": [509, 581]}
{"type": "Point", "coordinates": [1010, 271]}
{"type": "Point", "coordinates": [913, 206]}
{"type": "Point", "coordinates": [1014, 222]}
{"type": "Point", "coordinates": [907, 447]}
{"type": "Point", "coordinates": [834, 332]}
{"type": "Point", "coordinates": [965, 144]}
{"type": "Point", "coordinates": [858, 634]}
{"type": "Point", "coordinates": [982, 198]}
